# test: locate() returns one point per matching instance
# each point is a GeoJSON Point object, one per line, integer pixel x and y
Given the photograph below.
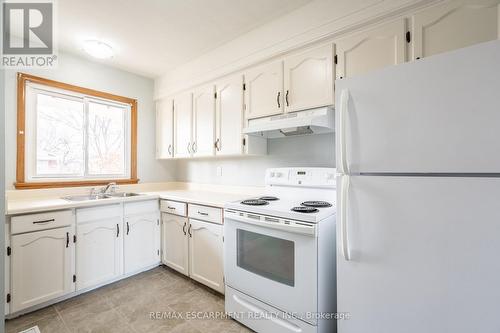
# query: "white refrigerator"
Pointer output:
{"type": "Point", "coordinates": [418, 206]}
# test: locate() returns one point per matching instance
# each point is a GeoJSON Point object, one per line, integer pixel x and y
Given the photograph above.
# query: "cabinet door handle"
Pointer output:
{"type": "Point", "coordinates": [286, 98]}
{"type": "Point", "coordinates": [43, 221]}
{"type": "Point", "coordinates": [203, 213]}
{"type": "Point", "coordinates": [67, 239]}
{"type": "Point", "coordinates": [184, 228]}
{"type": "Point", "coordinates": [189, 231]}
{"type": "Point", "coordinates": [117, 230]}
{"type": "Point", "coordinates": [194, 147]}
{"type": "Point", "coordinates": [170, 149]}
{"type": "Point", "coordinates": [216, 144]}
{"type": "Point", "coordinates": [189, 150]}
{"type": "Point", "coordinates": [278, 99]}
{"type": "Point", "coordinates": [128, 228]}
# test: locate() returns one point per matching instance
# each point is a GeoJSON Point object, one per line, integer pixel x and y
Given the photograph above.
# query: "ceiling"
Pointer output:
{"type": "Point", "coordinates": [151, 37]}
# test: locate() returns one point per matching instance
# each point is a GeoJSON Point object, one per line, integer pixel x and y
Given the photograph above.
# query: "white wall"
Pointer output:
{"type": "Point", "coordinates": [81, 72]}
{"type": "Point", "coordinates": [313, 150]}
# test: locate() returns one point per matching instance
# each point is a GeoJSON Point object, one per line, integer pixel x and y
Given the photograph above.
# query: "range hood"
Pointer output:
{"type": "Point", "coordinates": [313, 121]}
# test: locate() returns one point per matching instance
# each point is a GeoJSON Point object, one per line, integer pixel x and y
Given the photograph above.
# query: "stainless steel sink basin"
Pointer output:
{"type": "Point", "coordinates": [86, 197]}
{"type": "Point", "coordinates": [122, 194]}
{"type": "Point", "coordinates": [100, 196]}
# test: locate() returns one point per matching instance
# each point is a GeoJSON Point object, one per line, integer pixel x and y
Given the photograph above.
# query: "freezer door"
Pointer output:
{"type": "Point", "coordinates": [423, 255]}
{"type": "Point", "coordinates": [436, 115]}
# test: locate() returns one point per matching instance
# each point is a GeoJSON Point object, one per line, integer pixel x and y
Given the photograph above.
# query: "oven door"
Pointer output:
{"type": "Point", "coordinates": [277, 266]}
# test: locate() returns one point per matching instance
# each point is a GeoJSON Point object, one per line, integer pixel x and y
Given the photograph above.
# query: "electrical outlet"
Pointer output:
{"type": "Point", "coordinates": [219, 171]}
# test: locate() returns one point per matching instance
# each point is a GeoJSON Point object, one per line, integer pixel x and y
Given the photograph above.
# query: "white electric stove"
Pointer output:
{"type": "Point", "coordinates": [279, 253]}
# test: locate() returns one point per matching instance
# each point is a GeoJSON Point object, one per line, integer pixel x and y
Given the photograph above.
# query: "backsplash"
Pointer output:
{"type": "Point", "coordinates": [304, 151]}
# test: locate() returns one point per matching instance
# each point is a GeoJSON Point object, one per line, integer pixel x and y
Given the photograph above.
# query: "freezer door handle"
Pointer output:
{"type": "Point", "coordinates": [344, 105]}
{"type": "Point", "coordinates": [344, 204]}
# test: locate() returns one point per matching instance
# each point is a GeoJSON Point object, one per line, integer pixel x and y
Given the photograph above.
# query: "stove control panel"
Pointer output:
{"type": "Point", "coordinates": [306, 177]}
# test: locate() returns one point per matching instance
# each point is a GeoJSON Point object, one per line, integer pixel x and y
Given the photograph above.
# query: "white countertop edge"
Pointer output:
{"type": "Point", "coordinates": [207, 198]}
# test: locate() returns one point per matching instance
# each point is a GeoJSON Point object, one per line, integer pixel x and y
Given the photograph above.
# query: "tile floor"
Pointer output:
{"type": "Point", "coordinates": [125, 306]}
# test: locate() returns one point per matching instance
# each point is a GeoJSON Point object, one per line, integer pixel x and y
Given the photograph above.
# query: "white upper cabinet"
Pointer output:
{"type": "Point", "coordinates": [229, 116]}
{"type": "Point", "coordinates": [371, 49]}
{"type": "Point", "coordinates": [42, 266]}
{"type": "Point", "coordinates": [205, 254]}
{"type": "Point", "coordinates": [175, 242]}
{"type": "Point", "coordinates": [308, 79]}
{"type": "Point", "coordinates": [264, 90]}
{"type": "Point", "coordinates": [164, 129]}
{"type": "Point", "coordinates": [142, 241]}
{"type": "Point", "coordinates": [183, 121]}
{"type": "Point", "coordinates": [203, 121]}
{"type": "Point", "coordinates": [453, 25]}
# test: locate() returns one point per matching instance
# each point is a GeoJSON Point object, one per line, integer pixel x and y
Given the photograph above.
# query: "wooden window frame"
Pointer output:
{"type": "Point", "coordinates": [21, 183]}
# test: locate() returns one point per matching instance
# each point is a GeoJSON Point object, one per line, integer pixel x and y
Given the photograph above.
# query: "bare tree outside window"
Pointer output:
{"type": "Point", "coordinates": [59, 136]}
{"type": "Point", "coordinates": [106, 139]}
{"type": "Point", "coordinates": [79, 137]}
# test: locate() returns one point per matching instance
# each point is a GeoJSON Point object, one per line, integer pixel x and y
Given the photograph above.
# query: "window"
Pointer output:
{"type": "Point", "coordinates": [69, 136]}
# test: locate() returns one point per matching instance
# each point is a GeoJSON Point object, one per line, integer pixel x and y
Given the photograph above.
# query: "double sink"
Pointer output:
{"type": "Point", "coordinates": [100, 196]}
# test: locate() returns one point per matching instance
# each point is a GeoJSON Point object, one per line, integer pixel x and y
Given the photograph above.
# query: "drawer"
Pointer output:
{"type": "Point", "coordinates": [205, 213]}
{"type": "Point", "coordinates": [92, 214]}
{"type": "Point", "coordinates": [140, 207]}
{"type": "Point", "coordinates": [41, 221]}
{"type": "Point", "coordinates": [173, 207]}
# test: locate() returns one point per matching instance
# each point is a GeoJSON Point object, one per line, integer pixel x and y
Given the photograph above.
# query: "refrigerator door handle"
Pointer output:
{"type": "Point", "coordinates": [344, 197]}
{"type": "Point", "coordinates": [344, 106]}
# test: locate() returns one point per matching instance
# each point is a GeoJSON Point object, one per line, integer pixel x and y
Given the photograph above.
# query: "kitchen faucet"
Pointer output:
{"type": "Point", "coordinates": [107, 187]}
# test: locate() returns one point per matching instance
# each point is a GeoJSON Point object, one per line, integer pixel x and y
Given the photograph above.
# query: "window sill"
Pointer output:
{"type": "Point", "coordinates": [99, 182]}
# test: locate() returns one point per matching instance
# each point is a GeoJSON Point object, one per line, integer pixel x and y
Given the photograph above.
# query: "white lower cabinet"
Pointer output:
{"type": "Point", "coordinates": [99, 246]}
{"type": "Point", "coordinates": [175, 242]}
{"type": "Point", "coordinates": [142, 241]}
{"type": "Point", "coordinates": [205, 254]}
{"type": "Point", "coordinates": [192, 246]}
{"type": "Point", "coordinates": [42, 265]}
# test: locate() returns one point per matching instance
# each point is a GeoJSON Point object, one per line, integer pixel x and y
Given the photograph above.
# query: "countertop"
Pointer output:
{"type": "Point", "coordinates": [201, 197]}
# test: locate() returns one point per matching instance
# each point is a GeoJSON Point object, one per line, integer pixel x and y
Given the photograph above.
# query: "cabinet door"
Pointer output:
{"type": "Point", "coordinates": [309, 79]}
{"type": "Point", "coordinates": [175, 242]}
{"type": "Point", "coordinates": [371, 49]}
{"type": "Point", "coordinates": [229, 116]}
{"type": "Point", "coordinates": [264, 90]}
{"type": "Point", "coordinates": [205, 254]}
{"type": "Point", "coordinates": [42, 266]}
{"type": "Point", "coordinates": [99, 251]}
{"type": "Point", "coordinates": [142, 242]}
{"type": "Point", "coordinates": [183, 120]}
{"type": "Point", "coordinates": [164, 129]}
{"type": "Point", "coordinates": [203, 121]}
{"type": "Point", "coordinates": [453, 25]}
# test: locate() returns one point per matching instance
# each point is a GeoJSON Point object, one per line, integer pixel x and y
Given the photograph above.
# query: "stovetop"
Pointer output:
{"type": "Point", "coordinates": [301, 194]}
{"type": "Point", "coordinates": [296, 209]}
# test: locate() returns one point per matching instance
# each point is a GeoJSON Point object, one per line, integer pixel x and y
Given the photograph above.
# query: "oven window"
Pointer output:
{"type": "Point", "coordinates": [270, 257]}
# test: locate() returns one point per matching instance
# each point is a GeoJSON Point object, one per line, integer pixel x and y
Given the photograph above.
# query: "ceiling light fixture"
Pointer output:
{"type": "Point", "coordinates": [98, 49]}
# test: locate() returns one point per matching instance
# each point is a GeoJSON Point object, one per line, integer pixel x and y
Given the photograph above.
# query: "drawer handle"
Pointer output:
{"type": "Point", "coordinates": [172, 208]}
{"type": "Point", "coordinates": [43, 221]}
{"type": "Point", "coordinates": [202, 213]}
{"type": "Point", "coordinates": [67, 239]}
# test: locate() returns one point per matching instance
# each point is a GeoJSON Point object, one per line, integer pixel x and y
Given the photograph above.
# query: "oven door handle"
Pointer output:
{"type": "Point", "coordinates": [293, 227]}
